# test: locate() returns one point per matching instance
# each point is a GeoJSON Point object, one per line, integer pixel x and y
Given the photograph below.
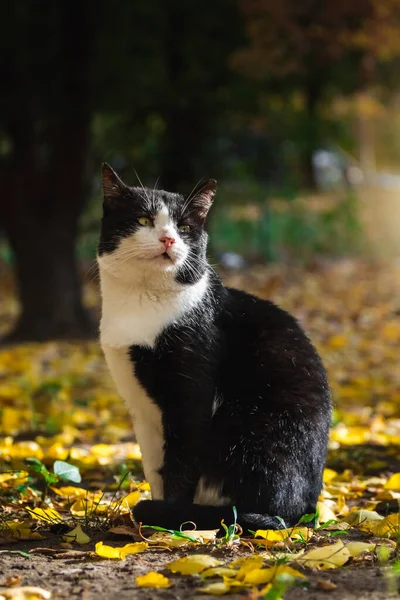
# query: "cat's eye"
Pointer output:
{"type": "Point", "coordinates": [145, 222]}
{"type": "Point", "coordinates": [184, 228]}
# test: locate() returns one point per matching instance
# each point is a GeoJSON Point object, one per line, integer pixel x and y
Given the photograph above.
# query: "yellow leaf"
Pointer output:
{"type": "Point", "coordinates": [130, 500]}
{"type": "Point", "coordinates": [13, 480]}
{"type": "Point", "coordinates": [271, 536]}
{"type": "Point", "coordinates": [327, 557]}
{"type": "Point", "coordinates": [219, 572]}
{"type": "Point", "coordinates": [362, 517]}
{"type": "Point", "coordinates": [134, 548]}
{"type": "Point", "coordinates": [202, 536]}
{"type": "Point", "coordinates": [248, 565]}
{"type": "Point", "coordinates": [50, 515]}
{"type": "Point", "coordinates": [261, 576]}
{"type": "Point", "coordinates": [71, 492]}
{"type": "Point", "coordinates": [338, 341]}
{"type": "Point", "coordinates": [119, 553]}
{"type": "Point", "coordinates": [215, 589]}
{"type": "Point", "coordinates": [20, 531]}
{"type": "Point", "coordinates": [325, 514]}
{"type": "Point", "coordinates": [153, 580]}
{"type": "Point", "coordinates": [144, 486]}
{"type": "Point", "coordinates": [387, 527]}
{"type": "Point", "coordinates": [356, 548]}
{"type": "Point", "coordinates": [189, 565]}
{"type": "Point", "coordinates": [77, 535]}
{"type": "Point", "coordinates": [27, 592]}
{"type": "Point", "coordinates": [393, 483]}
{"type": "Point", "coordinates": [329, 474]}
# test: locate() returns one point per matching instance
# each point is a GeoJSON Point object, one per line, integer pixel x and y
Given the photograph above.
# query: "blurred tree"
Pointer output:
{"type": "Point", "coordinates": [318, 48]}
{"type": "Point", "coordinates": [45, 122]}
{"type": "Point", "coordinates": [149, 79]}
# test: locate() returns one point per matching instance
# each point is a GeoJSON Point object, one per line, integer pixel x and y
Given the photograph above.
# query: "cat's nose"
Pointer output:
{"type": "Point", "coordinates": [167, 241]}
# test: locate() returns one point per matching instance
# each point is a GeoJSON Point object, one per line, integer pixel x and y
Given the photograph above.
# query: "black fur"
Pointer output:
{"type": "Point", "coordinates": [244, 398]}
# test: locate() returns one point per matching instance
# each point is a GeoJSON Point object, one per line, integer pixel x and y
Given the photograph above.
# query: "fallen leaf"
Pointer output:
{"type": "Point", "coordinates": [45, 514]}
{"type": "Point", "coordinates": [153, 580]}
{"type": "Point", "coordinates": [190, 565]}
{"type": "Point", "coordinates": [393, 483]}
{"type": "Point", "coordinates": [219, 572]}
{"type": "Point", "coordinates": [262, 576]}
{"type": "Point", "coordinates": [215, 589]}
{"type": "Point", "coordinates": [119, 553]}
{"type": "Point", "coordinates": [271, 536]}
{"type": "Point", "coordinates": [362, 517]}
{"type": "Point", "coordinates": [130, 499]}
{"type": "Point", "coordinates": [77, 535]}
{"type": "Point", "coordinates": [10, 581]}
{"type": "Point", "coordinates": [326, 584]}
{"type": "Point", "coordinates": [123, 530]}
{"type": "Point", "coordinates": [27, 592]}
{"type": "Point", "coordinates": [248, 565]}
{"type": "Point", "coordinates": [325, 557]}
{"type": "Point", "coordinates": [356, 548]}
{"type": "Point", "coordinates": [325, 513]}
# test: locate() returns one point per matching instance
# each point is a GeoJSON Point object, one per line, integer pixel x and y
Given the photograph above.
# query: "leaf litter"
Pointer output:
{"type": "Point", "coordinates": [70, 469]}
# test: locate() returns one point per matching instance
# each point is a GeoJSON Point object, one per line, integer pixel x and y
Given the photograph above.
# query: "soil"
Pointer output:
{"type": "Point", "coordinates": [75, 578]}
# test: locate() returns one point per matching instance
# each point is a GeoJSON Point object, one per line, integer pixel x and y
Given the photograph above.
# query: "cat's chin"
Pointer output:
{"type": "Point", "coordinates": [165, 262]}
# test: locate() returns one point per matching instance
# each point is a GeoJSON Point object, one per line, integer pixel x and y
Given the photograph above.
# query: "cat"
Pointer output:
{"type": "Point", "coordinates": [229, 399]}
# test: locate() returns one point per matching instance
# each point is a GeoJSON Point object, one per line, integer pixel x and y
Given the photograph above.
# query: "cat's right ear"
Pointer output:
{"type": "Point", "coordinates": [113, 186]}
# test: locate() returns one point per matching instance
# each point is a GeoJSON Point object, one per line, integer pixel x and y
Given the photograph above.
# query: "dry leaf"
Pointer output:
{"type": "Point", "coordinates": [10, 581]}
{"type": "Point", "coordinates": [190, 565]}
{"type": "Point", "coordinates": [153, 580]}
{"type": "Point", "coordinates": [393, 483]}
{"type": "Point", "coordinates": [326, 557]}
{"type": "Point", "coordinates": [77, 535]}
{"type": "Point", "coordinates": [26, 592]}
{"type": "Point", "coordinates": [49, 515]}
{"type": "Point", "coordinates": [356, 548]}
{"type": "Point", "coordinates": [262, 576]}
{"type": "Point", "coordinates": [219, 572]}
{"type": "Point", "coordinates": [325, 513]}
{"type": "Point", "coordinates": [326, 584]}
{"type": "Point", "coordinates": [119, 553]}
{"type": "Point", "coordinates": [215, 589]}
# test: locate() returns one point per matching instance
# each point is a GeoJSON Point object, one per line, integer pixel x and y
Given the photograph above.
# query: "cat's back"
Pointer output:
{"type": "Point", "coordinates": [266, 348]}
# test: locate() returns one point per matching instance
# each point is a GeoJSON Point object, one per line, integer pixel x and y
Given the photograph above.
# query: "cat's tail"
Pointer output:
{"type": "Point", "coordinates": [171, 515]}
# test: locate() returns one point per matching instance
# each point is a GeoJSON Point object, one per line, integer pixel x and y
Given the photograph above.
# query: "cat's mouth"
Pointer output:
{"type": "Point", "coordinates": [166, 256]}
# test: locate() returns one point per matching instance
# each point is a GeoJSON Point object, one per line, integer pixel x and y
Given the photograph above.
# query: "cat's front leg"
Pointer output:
{"type": "Point", "coordinates": [151, 442]}
{"type": "Point", "coordinates": [181, 470]}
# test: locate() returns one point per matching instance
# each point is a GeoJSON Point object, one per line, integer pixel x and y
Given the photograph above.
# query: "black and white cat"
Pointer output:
{"type": "Point", "coordinates": [229, 399]}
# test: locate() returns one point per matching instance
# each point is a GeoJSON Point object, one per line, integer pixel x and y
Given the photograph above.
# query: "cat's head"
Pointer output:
{"type": "Point", "coordinates": [152, 231]}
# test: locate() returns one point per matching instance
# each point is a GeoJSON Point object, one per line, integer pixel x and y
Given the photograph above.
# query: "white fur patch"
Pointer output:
{"type": "Point", "coordinates": [145, 414]}
{"type": "Point", "coordinates": [134, 314]}
{"type": "Point", "coordinates": [209, 495]}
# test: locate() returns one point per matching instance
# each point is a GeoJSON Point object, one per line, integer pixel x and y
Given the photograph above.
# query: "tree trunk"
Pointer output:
{"type": "Point", "coordinates": [44, 177]}
{"type": "Point", "coordinates": [49, 283]}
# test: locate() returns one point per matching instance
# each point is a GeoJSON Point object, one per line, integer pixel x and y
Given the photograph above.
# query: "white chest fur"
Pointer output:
{"type": "Point", "coordinates": [134, 315]}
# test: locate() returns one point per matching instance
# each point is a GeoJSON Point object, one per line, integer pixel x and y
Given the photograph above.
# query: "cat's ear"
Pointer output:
{"type": "Point", "coordinates": [113, 186]}
{"type": "Point", "coordinates": [203, 199]}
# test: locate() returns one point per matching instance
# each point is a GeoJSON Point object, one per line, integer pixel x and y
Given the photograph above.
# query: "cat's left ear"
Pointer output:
{"type": "Point", "coordinates": [113, 186]}
{"type": "Point", "coordinates": [203, 199]}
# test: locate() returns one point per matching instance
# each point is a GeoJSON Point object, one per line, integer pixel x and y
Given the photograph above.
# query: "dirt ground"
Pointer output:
{"type": "Point", "coordinates": [77, 579]}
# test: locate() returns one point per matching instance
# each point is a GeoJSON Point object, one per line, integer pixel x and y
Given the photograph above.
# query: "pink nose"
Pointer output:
{"type": "Point", "coordinates": [167, 241]}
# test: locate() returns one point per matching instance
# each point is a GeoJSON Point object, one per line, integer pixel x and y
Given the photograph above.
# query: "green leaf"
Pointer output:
{"type": "Point", "coordinates": [38, 467]}
{"type": "Point", "coordinates": [307, 518]}
{"type": "Point", "coordinates": [67, 471]}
